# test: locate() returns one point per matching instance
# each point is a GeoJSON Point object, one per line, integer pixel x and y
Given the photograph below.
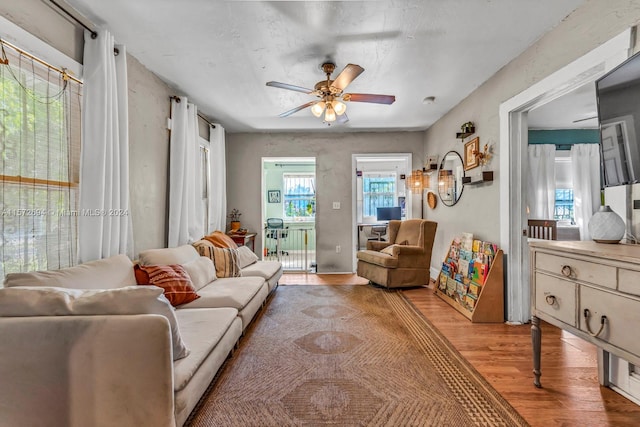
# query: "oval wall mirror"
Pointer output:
{"type": "Point", "coordinates": [450, 176]}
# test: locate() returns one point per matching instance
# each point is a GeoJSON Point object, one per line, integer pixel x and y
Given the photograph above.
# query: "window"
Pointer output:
{"type": "Point", "coordinates": [563, 209]}
{"type": "Point", "coordinates": [379, 190]}
{"type": "Point", "coordinates": [39, 166]}
{"type": "Point", "coordinates": [299, 196]}
{"type": "Point", "coordinates": [564, 204]}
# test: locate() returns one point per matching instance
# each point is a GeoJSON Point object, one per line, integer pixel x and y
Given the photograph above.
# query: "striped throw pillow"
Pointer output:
{"type": "Point", "coordinates": [175, 281]}
{"type": "Point", "coordinates": [226, 262]}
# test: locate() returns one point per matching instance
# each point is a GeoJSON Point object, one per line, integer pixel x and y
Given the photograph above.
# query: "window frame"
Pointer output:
{"type": "Point", "coordinates": [286, 195]}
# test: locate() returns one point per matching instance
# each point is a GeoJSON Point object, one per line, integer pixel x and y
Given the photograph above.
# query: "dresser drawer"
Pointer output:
{"type": "Point", "coordinates": [598, 274]}
{"type": "Point", "coordinates": [629, 281]}
{"type": "Point", "coordinates": [556, 297]}
{"type": "Point", "coordinates": [623, 317]}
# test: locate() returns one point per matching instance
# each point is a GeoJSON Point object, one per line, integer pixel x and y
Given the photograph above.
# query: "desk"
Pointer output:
{"type": "Point", "coordinates": [248, 239]}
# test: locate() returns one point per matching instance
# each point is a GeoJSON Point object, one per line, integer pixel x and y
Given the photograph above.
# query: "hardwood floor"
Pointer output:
{"type": "Point", "coordinates": [571, 395]}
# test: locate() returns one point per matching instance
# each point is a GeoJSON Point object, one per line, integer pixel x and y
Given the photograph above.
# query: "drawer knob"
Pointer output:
{"type": "Point", "coordinates": [567, 271]}
{"type": "Point", "coordinates": [603, 321]}
{"type": "Point", "coordinates": [551, 299]}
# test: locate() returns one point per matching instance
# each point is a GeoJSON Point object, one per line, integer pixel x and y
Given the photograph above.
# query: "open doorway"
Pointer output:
{"type": "Point", "coordinates": [289, 212]}
{"type": "Point", "coordinates": [513, 160]}
{"type": "Point", "coordinates": [379, 195]}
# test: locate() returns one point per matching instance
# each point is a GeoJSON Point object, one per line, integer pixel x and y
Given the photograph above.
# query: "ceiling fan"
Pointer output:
{"type": "Point", "coordinates": [331, 94]}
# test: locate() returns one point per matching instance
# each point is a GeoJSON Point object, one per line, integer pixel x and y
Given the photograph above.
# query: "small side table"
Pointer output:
{"type": "Point", "coordinates": [248, 239]}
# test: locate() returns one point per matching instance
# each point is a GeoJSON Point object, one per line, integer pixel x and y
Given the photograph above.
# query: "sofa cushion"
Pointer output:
{"type": "Point", "coordinates": [201, 330]}
{"type": "Point", "coordinates": [264, 269]}
{"type": "Point", "coordinates": [228, 292]}
{"type": "Point", "coordinates": [55, 301]}
{"type": "Point", "coordinates": [221, 240]}
{"type": "Point", "coordinates": [108, 273]}
{"type": "Point", "coordinates": [168, 256]}
{"type": "Point", "coordinates": [226, 262]}
{"type": "Point", "coordinates": [202, 272]}
{"type": "Point", "coordinates": [377, 258]}
{"type": "Point", "coordinates": [246, 256]}
{"type": "Point", "coordinates": [174, 279]}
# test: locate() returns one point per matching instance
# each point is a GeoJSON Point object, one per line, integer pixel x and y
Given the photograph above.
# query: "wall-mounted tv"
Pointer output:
{"type": "Point", "coordinates": [387, 214]}
{"type": "Point", "coordinates": [618, 94]}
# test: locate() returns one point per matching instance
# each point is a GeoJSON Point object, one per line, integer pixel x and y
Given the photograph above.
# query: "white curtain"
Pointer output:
{"type": "Point", "coordinates": [186, 217]}
{"type": "Point", "coordinates": [104, 223]}
{"type": "Point", "coordinates": [585, 171]}
{"type": "Point", "coordinates": [541, 181]}
{"type": "Point", "coordinates": [218, 185]}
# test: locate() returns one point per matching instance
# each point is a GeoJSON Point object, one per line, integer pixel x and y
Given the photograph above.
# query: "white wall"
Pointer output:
{"type": "Point", "coordinates": [478, 211]}
{"type": "Point", "coordinates": [333, 179]}
{"type": "Point", "coordinates": [148, 113]}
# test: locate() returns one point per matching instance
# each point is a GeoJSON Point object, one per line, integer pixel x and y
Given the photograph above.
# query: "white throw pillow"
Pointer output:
{"type": "Point", "coordinates": [246, 256]}
{"type": "Point", "coordinates": [201, 270]}
{"type": "Point", "coordinates": [27, 301]}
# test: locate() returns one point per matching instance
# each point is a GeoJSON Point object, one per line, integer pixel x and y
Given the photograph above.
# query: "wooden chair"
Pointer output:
{"type": "Point", "coordinates": [546, 229]}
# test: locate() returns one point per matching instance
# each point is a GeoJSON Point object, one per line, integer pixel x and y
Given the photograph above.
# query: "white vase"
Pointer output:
{"type": "Point", "coordinates": [606, 226]}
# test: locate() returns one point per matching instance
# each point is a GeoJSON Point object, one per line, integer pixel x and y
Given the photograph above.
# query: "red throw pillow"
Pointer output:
{"type": "Point", "coordinates": [175, 281]}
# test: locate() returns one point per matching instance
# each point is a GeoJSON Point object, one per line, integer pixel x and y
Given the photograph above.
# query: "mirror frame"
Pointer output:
{"type": "Point", "coordinates": [444, 158]}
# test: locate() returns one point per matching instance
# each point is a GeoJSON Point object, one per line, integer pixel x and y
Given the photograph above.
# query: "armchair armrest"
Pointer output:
{"type": "Point", "coordinates": [406, 250]}
{"type": "Point", "coordinates": [374, 245]}
{"type": "Point", "coordinates": [86, 370]}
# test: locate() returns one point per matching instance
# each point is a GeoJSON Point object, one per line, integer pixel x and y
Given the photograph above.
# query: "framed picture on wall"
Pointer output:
{"type": "Point", "coordinates": [273, 196]}
{"type": "Point", "coordinates": [471, 148]}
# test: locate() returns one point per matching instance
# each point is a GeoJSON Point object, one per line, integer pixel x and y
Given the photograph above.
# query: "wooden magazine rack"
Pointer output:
{"type": "Point", "coordinates": [489, 301]}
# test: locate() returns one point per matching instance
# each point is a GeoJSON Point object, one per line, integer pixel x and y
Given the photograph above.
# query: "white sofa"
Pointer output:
{"type": "Point", "coordinates": [117, 370]}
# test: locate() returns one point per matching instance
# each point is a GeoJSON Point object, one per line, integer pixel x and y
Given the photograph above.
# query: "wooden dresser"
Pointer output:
{"type": "Point", "coordinates": [591, 290]}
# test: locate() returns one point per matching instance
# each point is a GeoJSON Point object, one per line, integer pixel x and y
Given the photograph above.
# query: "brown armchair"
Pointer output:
{"type": "Point", "coordinates": [404, 260]}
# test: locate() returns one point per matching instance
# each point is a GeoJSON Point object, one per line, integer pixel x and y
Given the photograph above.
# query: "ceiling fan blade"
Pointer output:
{"type": "Point", "coordinates": [368, 97]}
{"type": "Point", "coordinates": [298, 108]}
{"type": "Point", "coordinates": [290, 87]}
{"type": "Point", "coordinates": [346, 76]}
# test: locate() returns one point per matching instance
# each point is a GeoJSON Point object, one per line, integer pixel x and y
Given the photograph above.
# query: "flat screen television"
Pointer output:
{"type": "Point", "coordinates": [389, 213]}
{"type": "Point", "coordinates": [618, 94]}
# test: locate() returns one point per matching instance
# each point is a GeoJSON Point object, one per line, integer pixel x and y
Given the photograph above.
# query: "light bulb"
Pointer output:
{"type": "Point", "coordinates": [339, 107]}
{"type": "Point", "coordinates": [329, 115]}
{"type": "Point", "coordinates": [318, 108]}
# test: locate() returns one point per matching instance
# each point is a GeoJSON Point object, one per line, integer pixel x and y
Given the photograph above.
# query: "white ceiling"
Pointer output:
{"type": "Point", "coordinates": [221, 53]}
{"type": "Point", "coordinates": [575, 110]}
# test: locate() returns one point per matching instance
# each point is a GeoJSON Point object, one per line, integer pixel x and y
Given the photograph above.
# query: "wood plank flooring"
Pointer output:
{"type": "Point", "coordinates": [571, 395]}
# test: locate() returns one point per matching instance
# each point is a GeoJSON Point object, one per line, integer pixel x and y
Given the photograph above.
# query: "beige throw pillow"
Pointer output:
{"type": "Point", "coordinates": [202, 272]}
{"type": "Point", "coordinates": [246, 257]}
{"type": "Point", "coordinates": [388, 250]}
{"type": "Point", "coordinates": [25, 301]}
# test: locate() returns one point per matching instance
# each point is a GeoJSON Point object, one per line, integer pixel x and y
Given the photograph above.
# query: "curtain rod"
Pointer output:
{"type": "Point", "coordinates": [46, 64]}
{"type": "Point", "coordinates": [177, 99]}
{"type": "Point", "coordinates": [94, 34]}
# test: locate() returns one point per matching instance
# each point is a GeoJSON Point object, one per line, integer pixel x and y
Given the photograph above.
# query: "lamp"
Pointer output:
{"type": "Point", "coordinates": [416, 183]}
{"type": "Point", "coordinates": [318, 108]}
{"type": "Point", "coordinates": [329, 114]}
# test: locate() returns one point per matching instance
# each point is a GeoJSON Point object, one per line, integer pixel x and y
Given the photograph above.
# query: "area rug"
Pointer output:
{"type": "Point", "coordinates": [348, 356]}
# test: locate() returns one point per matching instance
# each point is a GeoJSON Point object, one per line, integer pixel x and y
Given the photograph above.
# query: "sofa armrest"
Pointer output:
{"type": "Point", "coordinates": [86, 370]}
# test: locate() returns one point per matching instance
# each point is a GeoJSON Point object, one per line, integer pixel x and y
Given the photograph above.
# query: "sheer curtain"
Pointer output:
{"type": "Point", "coordinates": [104, 223]}
{"type": "Point", "coordinates": [541, 181]}
{"type": "Point", "coordinates": [218, 185]}
{"type": "Point", "coordinates": [185, 187]}
{"type": "Point", "coordinates": [585, 171]}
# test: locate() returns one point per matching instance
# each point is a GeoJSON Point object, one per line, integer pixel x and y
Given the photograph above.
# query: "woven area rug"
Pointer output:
{"type": "Point", "coordinates": [348, 356]}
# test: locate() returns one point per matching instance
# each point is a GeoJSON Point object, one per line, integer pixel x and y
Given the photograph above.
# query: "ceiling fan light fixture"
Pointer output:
{"type": "Point", "coordinates": [329, 114]}
{"type": "Point", "coordinates": [318, 108]}
{"type": "Point", "coordinates": [339, 107]}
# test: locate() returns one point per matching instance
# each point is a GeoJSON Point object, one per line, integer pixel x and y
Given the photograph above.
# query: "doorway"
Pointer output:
{"type": "Point", "coordinates": [289, 212]}
{"type": "Point", "coordinates": [379, 190]}
{"type": "Point", "coordinates": [513, 159]}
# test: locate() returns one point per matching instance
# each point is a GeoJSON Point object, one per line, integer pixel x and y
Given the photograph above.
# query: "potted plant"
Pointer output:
{"type": "Point", "coordinates": [234, 216]}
